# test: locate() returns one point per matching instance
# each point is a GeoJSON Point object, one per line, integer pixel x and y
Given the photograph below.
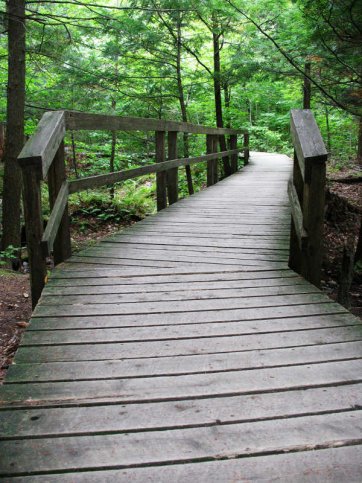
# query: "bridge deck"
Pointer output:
{"type": "Point", "coordinates": [184, 349]}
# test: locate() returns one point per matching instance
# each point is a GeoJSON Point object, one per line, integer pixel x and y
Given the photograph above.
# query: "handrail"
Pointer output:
{"type": "Point", "coordinates": [43, 157]}
{"type": "Point", "coordinates": [40, 149]}
{"type": "Point", "coordinates": [51, 230]}
{"type": "Point", "coordinates": [306, 192]}
{"type": "Point", "coordinates": [110, 178]}
{"type": "Point", "coordinates": [84, 121]}
{"type": "Point", "coordinates": [74, 186]}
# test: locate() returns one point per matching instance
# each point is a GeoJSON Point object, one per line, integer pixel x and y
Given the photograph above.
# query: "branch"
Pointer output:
{"type": "Point", "coordinates": [109, 7]}
{"type": "Point", "coordinates": [292, 62]}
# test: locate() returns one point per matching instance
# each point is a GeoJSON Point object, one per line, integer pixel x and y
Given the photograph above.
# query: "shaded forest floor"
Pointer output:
{"type": "Point", "coordinates": [343, 218]}
{"type": "Point", "coordinates": [342, 225]}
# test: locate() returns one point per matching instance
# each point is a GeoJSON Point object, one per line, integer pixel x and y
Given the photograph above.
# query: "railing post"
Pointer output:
{"type": "Point", "coordinates": [295, 250]}
{"type": "Point", "coordinates": [313, 215]}
{"type": "Point", "coordinates": [215, 149]}
{"type": "Point", "coordinates": [246, 148]}
{"type": "Point", "coordinates": [56, 175]}
{"type": "Point", "coordinates": [307, 195]}
{"type": "Point", "coordinates": [210, 164]}
{"type": "Point", "coordinates": [161, 178]}
{"type": "Point", "coordinates": [172, 174]}
{"type": "Point", "coordinates": [34, 229]}
{"type": "Point", "coordinates": [234, 157]}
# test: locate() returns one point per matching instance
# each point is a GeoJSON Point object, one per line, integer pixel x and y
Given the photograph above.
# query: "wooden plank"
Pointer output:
{"type": "Point", "coordinates": [235, 242]}
{"type": "Point", "coordinates": [297, 216]}
{"type": "Point", "coordinates": [210, 164]}
{"type": "Point", "coordinates": [313, 217]}
{"type": "Point", "coordinates": [172, 174]}
{"type": "Point", "coordinates": [203, 231]}
{"type": "Point", "coordinates": [127, 276]}
{"type": "Point", "coordinates": [190, 386]}
{"type": "Point", "coordinates": [295, 251]}
{"type": "Point", "coordinates": [42, 334]}
{"type": "Point", "coordinates": [178, 287]}
{"type": "Point", "coordinates": [88, 121]}
{"type": "Point", "coordinates": [234, 157]}
{"type": "Point", "coordinates": [198, 412]}
{"type": "Point", "coordinates": [186, 347]}
{"type": "Point", "coordinates": [175, 296]}
{"type": "Point", "coordinates": [161, 181]}
{"type": "Point", "coordinates": [107, 451]}
{"type": "Point", "coordinates": [246, 148]}
{"type": "Point", "coordinates": [307, 140]}
{"type": "Point", "coordinates": [332, 465]}
{"type": "Point", "coordinates": [116, 177]}
{"type": "Point", "coordinates": [34, 230]}
{"type": "Point", "coordinates": [181, 305]}
{"type": "Point", "coordinates": [84, 263]}
{"type": "Point", "coordinates": [180, 365]}
{"type": "Point", "coordinates": [54, 222]}
{"type": "Point", "coordinates": [165, 252]}
{"type": "Point", "coordinates": [182, 274]}
{"type": "Point", "coordinates": [79, 263]}
{"type": "Point", "coordinates": [271, 313]}
{"type": "Point", "coordinates": [153, 251]}
{"type": "Point", "coordinates": [152, 367]}
{"type": "Point", "coordinates": [56, 180]}
{"type": "Point", "coordinates": [41, 148]}
{"type": "Point", "coordinates": [179, 226]}
{"type": "Point", "coordinates": [264, 219]}
{"type": "Point", "coordinates": [215, 149]}
{"type": "Point", "coordinates": [112, 257]}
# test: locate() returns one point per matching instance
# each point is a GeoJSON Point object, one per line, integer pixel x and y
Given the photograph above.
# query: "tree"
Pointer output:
{"type": "Point", "coordinates": [15, 122]}
{"type": "Point", "coordinates": [329, 36]}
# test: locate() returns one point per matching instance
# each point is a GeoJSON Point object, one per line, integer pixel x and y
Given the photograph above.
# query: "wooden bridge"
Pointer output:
{"type": "Point", "coordinates": [185, 349]}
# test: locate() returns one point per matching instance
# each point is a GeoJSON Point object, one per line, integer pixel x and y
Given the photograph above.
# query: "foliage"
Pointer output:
{"type": "Point", "coordinates": [138, 60]}
{"type": "Point", "coordinates": [132, 202]}
{"type": "Point", "coordinates": [8, 254]}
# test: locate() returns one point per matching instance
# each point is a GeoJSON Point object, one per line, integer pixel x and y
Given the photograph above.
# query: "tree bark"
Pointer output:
{"type": "Point", "coordinates": [2, 141]}
{"type": "Point", "coordinates": [218, 99]}
{"type": "Point", "coordinates": [113, 151]}
{"type": "Point", "coordinates": [227, 100]}
{"type": "Point", "coordinates": [358, 254]}
{"type": "Point", "coordinates": [329, 138]}
{"type": "Point", "coordinates": [74, 156]}
{"type": "Point", "coordinates": [183, 108]}
{"type": "Point", "coordinates": [359, 147]}
{"type": "Point", "coordinates": [15, 122]}
{"type": "Point", "coordinates": [307, 88]}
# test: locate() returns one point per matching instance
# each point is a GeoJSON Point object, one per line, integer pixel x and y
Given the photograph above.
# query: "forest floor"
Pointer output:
{"type": "Point", "coordinates": [343, 218]}
{"type": "Point", "coordinates": [341, 228]}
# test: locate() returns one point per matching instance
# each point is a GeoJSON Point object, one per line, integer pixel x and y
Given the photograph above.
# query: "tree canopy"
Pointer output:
{"type": "Point", "coordinates": [238, 63]}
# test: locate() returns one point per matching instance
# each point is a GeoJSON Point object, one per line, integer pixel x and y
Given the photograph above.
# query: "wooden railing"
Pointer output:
{"type": "Point", "coordinates": [43, 158]}
{"type": "Point", "coordinates": [306, 195]}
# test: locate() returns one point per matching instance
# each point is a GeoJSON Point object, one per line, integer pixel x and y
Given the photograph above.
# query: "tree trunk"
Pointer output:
{"type": "Point", "coordinates": [181, 97]}
{"type": "Point", "coordinates": [358, 254]}
{"type": "Point", "coordinates": [113, 150]}
{"type": "Point", "coordinates": [218, 100]}
{"type": "Point", "coordinates": [15, 122]}
{"type": "Point", "coordinates": [329, 139]}
{"type": "Point", "coordinates": [227, 100]}
{"type": "Point", "coordinates": [74, 155]}
{"type": "Point", "coordinates": [2, 141]}
{"type": "Point", "coordinates": [307, 88]}
{"type": "Point", "coordinates": [359, 148]}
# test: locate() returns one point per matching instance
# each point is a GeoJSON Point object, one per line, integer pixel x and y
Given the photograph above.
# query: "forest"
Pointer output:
{"type": "Point", "coordinates": [224, 63]}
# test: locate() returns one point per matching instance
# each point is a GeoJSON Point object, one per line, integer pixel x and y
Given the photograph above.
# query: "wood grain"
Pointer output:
{"type": "Point", "coordinates": [184, 349]}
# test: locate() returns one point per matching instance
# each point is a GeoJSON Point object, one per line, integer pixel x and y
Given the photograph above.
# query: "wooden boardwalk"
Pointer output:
{"type": "Point", "coordinates": [184, 349]}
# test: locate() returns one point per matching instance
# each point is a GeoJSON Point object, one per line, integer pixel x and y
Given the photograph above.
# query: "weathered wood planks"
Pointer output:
{"type": "Point", "coordinates": [192, 356]}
